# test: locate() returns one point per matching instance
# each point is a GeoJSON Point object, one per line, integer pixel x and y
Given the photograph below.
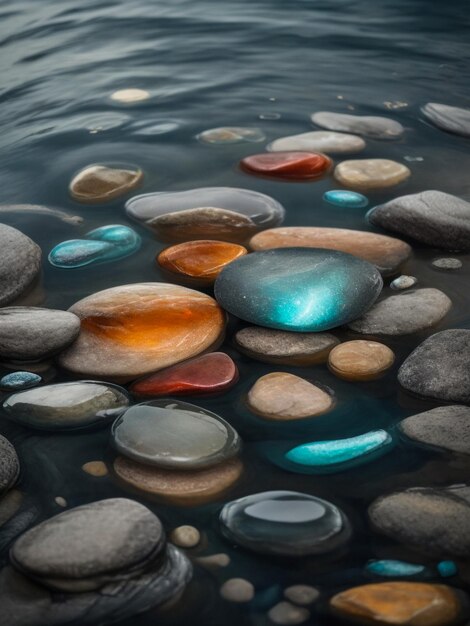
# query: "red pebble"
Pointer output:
{"type": "Point", "coordinates": [288, 165]}
{"type": "Point", "coordinates": [205, 374]}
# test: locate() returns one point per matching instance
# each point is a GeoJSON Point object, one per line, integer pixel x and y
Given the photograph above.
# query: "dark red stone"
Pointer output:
{"type": "Point", "coordinates": [288, 165]}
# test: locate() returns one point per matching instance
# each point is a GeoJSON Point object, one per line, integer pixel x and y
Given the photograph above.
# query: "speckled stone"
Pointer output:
{"type": "Point", "coordinates": [95, 468]}
{"type": "Point", "coordinates": [19, 380]}
{"type": "Point", "coordinates": [287, 614]}
{"type": "Point", "coordinates": [447, 264]}
{"type": "Point", "coordinates": [237, 590]}
{"type": "Point", "coordinates": [185, 536]}
{"type": "Point", "coordinates": [288, 165]}
{"type": "Point", "coordinates": [403, 282]}
{"type": "Point", "coordinates": [367, 125]}
{"type": "Point", "coordinates": [231, 135]}
{"type": "Point", "coordinates": [371, 173]}
{"type": "Point", "coordinates": [9, 465]}
{"type": "Point", "coordinates": [449, 118]}
{"type": "Point", "coordinates": [20, 263]}
{"type": "Point", "coordinates": [360, 360]}
{"type": "Point", "coordinates": [444, 428]}
{"type": "Point", "coordinates": [302, 594]}
{"type": "Point", "coordinates": [281, 396]}
{"type": "Point", "coordinates": [319, 141]}
{"type": "Point", "coordinates": [99, 183]}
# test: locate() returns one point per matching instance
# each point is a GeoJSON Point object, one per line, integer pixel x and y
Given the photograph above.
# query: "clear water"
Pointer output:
{"type": "Point", "coordinates": [209, 63]}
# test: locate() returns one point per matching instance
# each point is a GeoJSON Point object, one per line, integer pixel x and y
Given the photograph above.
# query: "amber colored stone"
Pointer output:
{"type": "Point", "coordinates": [288, 165]}
{"type": "Point", "coordinates": [360, 360]}
{"type": "Point", "coordinates": [95, 468]}
{"type": "Point", "coordinates": [199, 261]}
{"type": "Point", "coordinates": [387, 253]}
{"type": "Point", "coordinates": [210, 373]}
{"type": "Point", "coordinates": [399, 603]}
{"type": "Point", "coordinates": [133, 330]}
{"type": "Point", "coordinates": [180, 487]}
{"type": "Point", "coordinates": [98, 183]}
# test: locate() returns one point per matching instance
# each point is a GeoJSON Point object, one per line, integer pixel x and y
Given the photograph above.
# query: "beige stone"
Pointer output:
{"type": "Point", "coordinates": [95, 468]}
{"type": "Point", "coordinates": [371, 173]}
{"type": "Point", "coordinates": [185, 536]}
{"type": "Point", "coordinates": [360, 360]}
{"type": "Point", "coordinates": [287, 614]}
{"type": "Point", "coordinates": [98, 183]}
{"type": "Point", "coordinates": [130, 95]}
{"type": "Point", "coordinates": [237, 590]}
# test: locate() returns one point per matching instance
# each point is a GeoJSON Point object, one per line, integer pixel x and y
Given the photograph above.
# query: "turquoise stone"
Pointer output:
{"type": "Point", "coordinates": [298, 289]}
{"type": "Point", "coordinates": [331, 456]}
{"type": "Point", "coordinates": [19, 380]}
{"type": "Point", "coordinates": [389, 567]}
{"type": "Point", "coordinates": [345, 198]}
{"type": "Point", "coordinates": [101, 245]}
{"type": "Point", "coordinates": [447, 568]}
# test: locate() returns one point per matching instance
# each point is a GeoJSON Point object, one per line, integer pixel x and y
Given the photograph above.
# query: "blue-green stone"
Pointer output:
{"type": "Point", "coordinates": [447, 568]}
{"type": "Point", "coordinates": [19, 380]}
{"type": "Point", "coordinates": [345, 198]}
{"type": "Point", "coordinates": [389, 567]}
{"type": "Point", "coordinates": [298, 289]}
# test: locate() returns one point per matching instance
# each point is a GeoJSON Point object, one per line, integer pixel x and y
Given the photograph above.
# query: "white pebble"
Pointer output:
{"type": "Point", "coordinates": [130, 95]}
{"type": "Point", "coordinates": [185, 536]}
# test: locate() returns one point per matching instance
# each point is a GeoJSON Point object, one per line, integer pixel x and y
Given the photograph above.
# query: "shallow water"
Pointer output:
{"type": "Point", "coordinates": [208, 64]}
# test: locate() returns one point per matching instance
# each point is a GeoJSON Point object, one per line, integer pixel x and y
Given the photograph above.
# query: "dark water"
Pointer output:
{"type": "Point", "coordinates": [207, 64]}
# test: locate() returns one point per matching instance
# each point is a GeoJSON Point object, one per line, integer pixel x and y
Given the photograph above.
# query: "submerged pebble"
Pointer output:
{"type": "Point", "coordinates": [345, 198]}
{"type": "Point", "coordinates": [368, 125]}
{"type": "Point", "coordinates": [447, 568]}
{"type": "Point", "coordinates": [95, 468]}
{"type": "Point", "coordinates": [449, 118]}
{"type": "Point", "coordinates": [288, 165]}
{"type": "Point", "coordinates": [447, 264]}
{"type": "Point", "coordinates": [360, 360]}
{"type": "Point", "coordinates": [130, 95]}
{"type": "Point", "coordinates": [230, 135]}
{"type": "Point", "coordinates": [319, 141]}
{"type": "Point", "coordinates": [302, 594]}
{"type": "Point", "coordinates": [287, 614]}
{"type": "Point", "coordinates": [371, 173]}
{"type": "Point", "coordinates": [237, 590]}
{"type": "Point", "coordinates": [100, 183]}
{"type": "Point", "coordinates": [19, 380]}
{"type": "Point", "coordinates": [403, 282]}
{"type": "Point", "coordinates": [20, 263]}
{"type": "Point", "coordinates": [185, 536]}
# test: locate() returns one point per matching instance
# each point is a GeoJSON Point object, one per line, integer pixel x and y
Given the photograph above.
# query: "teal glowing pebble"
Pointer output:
{"type": "Point", "coordinates": [389, 567]}
{"type": "Point", "coordinates": [333, 456]}
{"type": "Point", "coordinates": [19, 380]}
{"type": "Point", "coordinates": [298, 289]}
{"type": "Point", "coordinates": [447, 568]}
{"type": "Point", "coordinates": [345, 198]}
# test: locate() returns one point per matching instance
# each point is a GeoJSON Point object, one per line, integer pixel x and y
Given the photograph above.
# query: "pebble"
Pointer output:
{"type": "Point", "coordinates": [432, 217]}
{"type": "Point", "coordinates": [399, 603]}
{"type": "Point", "coordinates": [367, 125]}
{"type": "Point", "coordinates": [19, 380]}
{"type": "Point", "coordinates": [360, 360]}
{"type": "Point", "coordinates": [439, 367]}
{"type": "Point", "coordinates": [130, 95]}
{"type": "Point", "coordinates": [237, 590]}
{"type": "Point", "coordinates": [281, 396]}
{"type": "Point", "coordinates": [214, 560]}
{"type": "Point", "coordinates": [185, 536]}
{"type": "Point", "coordinates": [319, 141]}
{"type": "Point", "coordinates": [222, 213]}
{"type": "Point", "coordinates": [301, 594]}
{"type": "Point", "coordinates": [171, 434]}
{"type": "Point", "coordinates": [447, 568]}
{"type": "Point", "coordinates": [98, 183]}
{"type": "Point", "coordinates": [133, 330]}
{"type": "Point", "coordinates": [95, 468]}
{"type": "Point", "coordinates": [403, 282]}
{"type": "Point", "coordinates": [206, 374]}
{"type": "Point", "coordinates": [298, 289]}
{"type": "Point", "coordinates": [231, 135]}
{"type": "Point", "coordinates": [20, 263]}
{"type": "Point", "coordinates": [444, 428]}
{"type": "Point", "coordinates": [346, 198]}
{"type": "Point", "coordinates": [451, 119]}
{"type": "Point", "coordinates": [284, 523]}
{"type": "Point", "coordinates": [371, 173]}
{"type": "Point", "coordinates": [394, 569]}
{"type": "Point", "coordinates": [447, 264]}
{"type": "Point", "coordinates": [60, 501]}
{"type": "Point", "coordinates": [9, 465]}
{"type": "Point", "coordinates": [287, 614]}
{"type": "Point", "coordinates": [405, 313]}
{"type": "Point", "coordinates": [288, 165]}
{"type": "Point", "coordinates": [386, 253]}
{"type": "Point", "coordinates": [67, 405]}
{"type": "Point", "coordinates": [284, 348]}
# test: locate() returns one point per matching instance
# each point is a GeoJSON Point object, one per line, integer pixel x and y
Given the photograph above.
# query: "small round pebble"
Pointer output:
{"type": "Point", "coordinates": [95, 468]}
{"type": "Point", "coordinates": [19, 380]}
{"type": "Point", "coordinates": [302, 594]}
{"type": "Point", "coordinates": [60, 501]}
{"type": "Point", "coordinates": [130, 95]}
{"type": "Point", "coordinates": [237, 590]}
{"type": "Point", "coordinates": [403, 282]}
{"type": "Point", "coordinates": [185, 536]}
{"type": "Point", "coordinates": [346, 198]}
{"type": "Point", "coordinates": [214, 560]}
{"type": "Point", "coordinates": [447, 568]}
{"type": "Point", "coordinates": [447, 264]}
{"type": "Point", "coordinates": [288, 614]}
{"type": "Point", "coordinates": [360, 360]}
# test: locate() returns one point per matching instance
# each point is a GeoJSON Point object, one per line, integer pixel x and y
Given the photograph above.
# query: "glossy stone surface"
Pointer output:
{"type": "Point", "coordinates": [360, 360]}
{"type": "Point", "coordinates": [19, 380]}
{"type": "Point", "coordinates": [199, 261]}
{"type": "Point", "coordinates": [224, 213]}
{"type": "Point", "coordinates": [387, 253]}
{"type": "Point", "coordinates": [107, 243]}
{"type": "Point", "coordinates": [132, 330]}
{"type": "Point", "coordinates": [345, 198]}
{"type": "Point", "coordinates": [371, 173]}
{"type": "Point", "coordinates": [298, 289]}
{"type": "Point", "coordinates": [282, 396]}
{"type": "Point", "coordinates": [288, 165]}
{"type": "Point", "coordinates": [444, 428]}
{"type": "Point", "coordinates": [20, 263]}
{"type": "Point", "coordinates": [206, 374]}
{"type": "Point", "coordinates": [99, 183]}
{"type": "Point", "coordinates": [439, 367]}
{"type": "Point", "coordinates": [174, 435]}
{"type": "Point", "coordinates": [284, 523]}
{"type": "Point", "coordinates": [338, 454]}
{"type": "Point", "coordinates": [399, 603]}
{"type": "Point", "coordinates": [67, 405]}
{"type": "Point", "coordinates": [392, 568]}
{"type": "Point", "coordinates": [367, 125]}
{"type": "Point", "coordinates": [404, 313]}
{"type": "Point", "coordinates": [130, 95]}
{"type": "Point", "coordinates": [432, 217]}
{"type": "Point", "coordinates": [283, 347]}
{"type": "Point", "coordinates": [451, 119]}
{"type": "Point", "coordinates": [403, 282]}
{"type": "Point", "coordinates": [9, 465]}
{"type": "Point", "coordinates": [230, 135]}
{"type": "Point", "coordinates": [319, 141]}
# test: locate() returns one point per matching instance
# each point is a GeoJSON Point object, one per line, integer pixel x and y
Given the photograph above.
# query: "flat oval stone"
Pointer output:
{"type": "Point", "coordinates": [19, 380]}
{"type": "Point", "coordinates": [393, 568]}
{"type": "Point", "coordinates": [283, 396]}
{"type": "Point", "coordinates": [130, 95]}
{"type": "Point", "coordinates": [20, 263]}
{"type": "Point", "coordinates": [360, 360]}
{"type": "Point", "coordinates": [403, 282]}
{"type": "Point", "coordinates": [444, 428]}
{"type": "Point", "coordinates": [237, 590]}
{"type": "Point", "coordinates": [9, 465]}
{"type": "Point", "coordinates": [371, 173]}
{"type": "Point", "coordinates": [283, 347]}
{"type": "Point", "coordinates": [432, 217]}
{"type": "Point", "coordinates": [451, 119]}
{"type": "Point", "coordinates": [99, 183]}
{"type": "Point", "coordinates": [346, 198]}
{"type": "Point", "coordinates": [387, 253]}
{"type": "Point", "coordinates": [288, 165]}
{"type": "Point", "coordinates": [209, 373]}
{"type": "Point", "coordinates": [224, 213]}
{"type": "Point", "coordinates": [368, 125]}
{"type": "Point", "coordinates": [230, 135]}
{"type": "Point", "coordinates": [447, 264]}
{"type": "Point", "coordinates": [319, 141]}
{"type": "Point", "coordinates": [174, 435]}
{"type": "Point", "coordinates": [400, 603]}
{"type": "Point", "coordinates": [298, 289]}
{"type": "Point", "coordinates": [133, 330]}
{"type": "Point", "coordinates": [338, 454]}
{"type": "Point", "coordinates": [440, 367]}
{"type": "Point", "coordinates": [404, 313]}
{"type": "Point", "coordinates": [284, 523]}
{"type": "Point", "coordinates": [95, 468]}
{"type": "Point", "coordinates": [199, 261]}
{"type": "Point", "coordinates": [67, 405]}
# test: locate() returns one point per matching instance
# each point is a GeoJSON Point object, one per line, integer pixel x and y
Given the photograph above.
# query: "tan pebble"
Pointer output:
{"type": "Point", "coordinates": [185, 536]}
{"type": "Point", "coordinates": [130, 95]}
{"type": "Point", "coordinates": [371, 173]}
{"type": "Point", "coordinates": [214, 560]}
{"type": "Point", "coordinates": [360, 360]}
{"type": "Point", "coordinates": [61, 501]}
{"type": "Point", "coordinates": [288, 614]}
{"type": "Point", "coordinates": [237, 590]}
{"type": "Point", "coordinates": [99, 183]}
{"type": "Point", "coordinates": [95, 468]}
{"type": "Point", "coordinates": [302, 594]}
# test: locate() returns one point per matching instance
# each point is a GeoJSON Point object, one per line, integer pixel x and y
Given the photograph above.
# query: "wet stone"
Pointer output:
{"type": "Point", "coordinates": [67, 405]}
{"type": "Point", "coordinates": [231, 135]}
{"type": "Point", "coordinates": [451, 119]}
{"type": "Point", "coordinates": [346, 199]}
{"type": "Point", "coordinates": [288, 165]}
{"type": "Point", "coordinates": [211, 373]}
{"type": "Point", "coordinates": [405, 313]}
{"type": "Point", "coordinates": [185, 536]}
{"type": "Point", "coordinates": [447, 264]}
{"type": "Point", "coordinates": [302, 594]}
{"type": "Point", "coordinates": [287, 614]}
{"type": "Point", "coordinates": [298, 289]}
{"type": "Point", "coordinates": [214, 560]}
{"type": "Point", "coordinates": [445, 428]}
{"type": "Point", "coordinates": [9, 465]}
{"type": "Point", "coordinates": [131, 95]}
{"type": "Point", "coordinates": [371, 173]}
{"type": "Point", "coordinates": [319, 141]}
{"type": "Point", "coordinates": [19, 380]}
{"type": "Point", "coordinates": [394, 569]}
{"type": "Point", "coordinates": [360, 360]}
{"type": "Point", "coordinates": [20, 263]}
{"type": "Point", "coordinates": [281, 396]}
{"type": "Point", "coordinates": [95, 468]}
{"type": "Point", "coordinates": [237, 590]}
{"type": "Point", "coordinates": [447, 569]}
{"type": "Point", "coordinates": [174, 435]}
{"type": "Point", "coordinates": [403, 282]}
{"type": "Point", "coordinates": [284, 523]}
{"type": "Point", "coordinates": [99, 183]}
{"type": "Point", "coordinates": [367, 125]}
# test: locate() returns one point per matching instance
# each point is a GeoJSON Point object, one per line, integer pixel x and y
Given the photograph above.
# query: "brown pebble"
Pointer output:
{"type": "Point", "coordinates": [237, 590]}
{"type": "Point", "coordinates": [185, 536]}
{"type": "Point", "coordinates": [214, 560]}
{"type": "Point", "coordinates": [287, 614]}
{"type": "Point", "coordinates": [95, 468]}
{"type": "Point", "coordinates": [98, 183]}
{"type": "Point", "coordinates": [360, 360]}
